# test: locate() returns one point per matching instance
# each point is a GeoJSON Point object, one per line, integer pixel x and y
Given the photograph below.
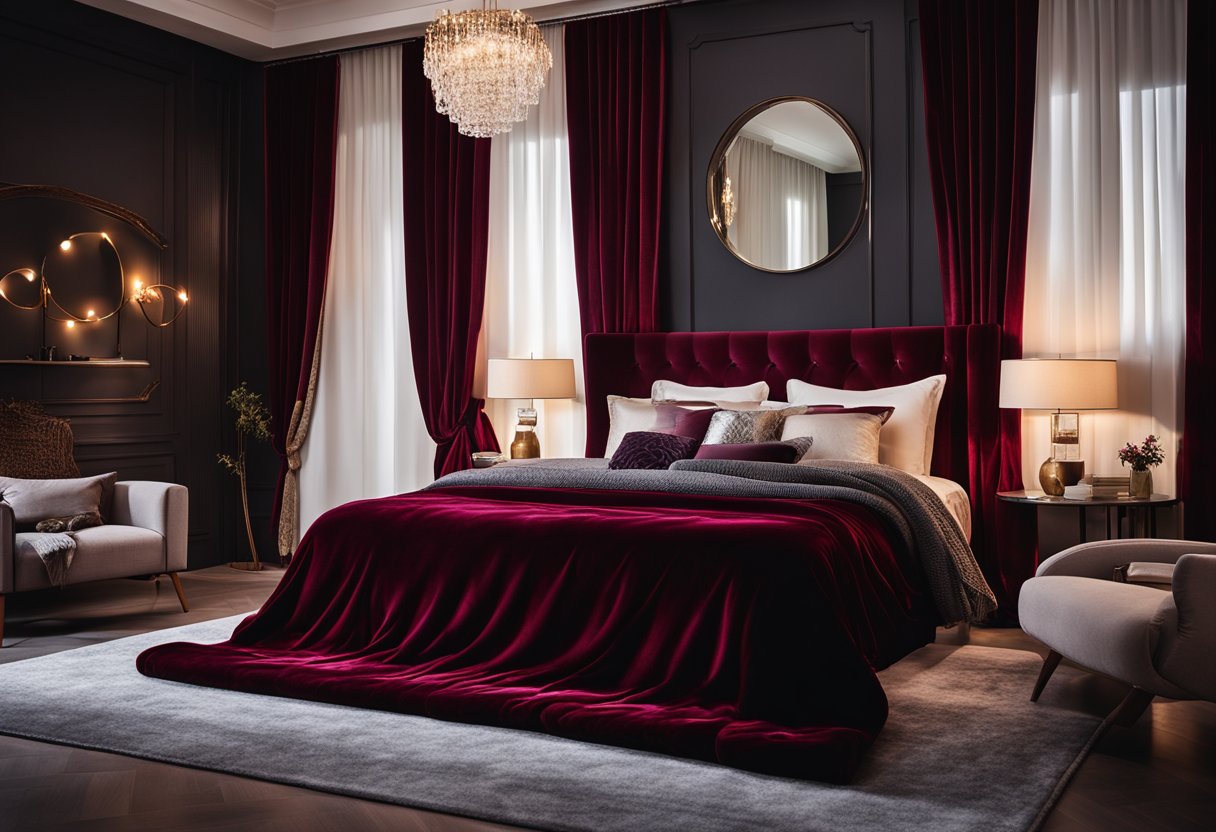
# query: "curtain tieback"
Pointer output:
{"type": "Point", "coordinates": [297, 432]}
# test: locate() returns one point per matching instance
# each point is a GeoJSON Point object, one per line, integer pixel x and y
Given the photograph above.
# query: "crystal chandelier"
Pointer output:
{"type": "Point", "coordinates": [486, 67]}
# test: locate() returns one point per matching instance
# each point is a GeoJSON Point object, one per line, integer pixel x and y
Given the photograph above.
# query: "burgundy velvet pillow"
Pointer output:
{"type": "Point", "coordinates": [751, 452]}
{"type": "Point", "coordinates": [685, 421]}
{"type": "Point", "coordinates": [652, 451]}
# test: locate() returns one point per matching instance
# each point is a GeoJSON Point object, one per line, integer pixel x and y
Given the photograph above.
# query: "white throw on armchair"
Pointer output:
{"type": "Point", "coordinates": [1161, 643]}
{"type": "Point", "coordinates": [146, 535]}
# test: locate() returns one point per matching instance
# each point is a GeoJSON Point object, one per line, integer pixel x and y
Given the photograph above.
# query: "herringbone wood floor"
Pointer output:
{"type": "Point", "coordinates": [1158, 775]}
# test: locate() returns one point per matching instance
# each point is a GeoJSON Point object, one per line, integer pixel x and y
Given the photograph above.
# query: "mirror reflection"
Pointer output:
{"type": "Point", "coordinates": [787, 185]}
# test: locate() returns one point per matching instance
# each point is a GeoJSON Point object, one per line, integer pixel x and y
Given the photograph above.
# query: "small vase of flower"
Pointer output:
{"type": "Point", "coordinates": [1142, 459]}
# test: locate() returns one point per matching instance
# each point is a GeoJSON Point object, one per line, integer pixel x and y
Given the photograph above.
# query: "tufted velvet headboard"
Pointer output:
{"type": "Point", "coordinates": [853, 359]}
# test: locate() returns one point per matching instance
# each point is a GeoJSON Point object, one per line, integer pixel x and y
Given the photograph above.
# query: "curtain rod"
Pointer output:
{"type": "Point", "coordinates": [542, 23]}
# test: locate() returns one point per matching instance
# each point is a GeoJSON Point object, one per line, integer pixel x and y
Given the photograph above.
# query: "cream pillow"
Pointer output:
{"type": "Point", "coordinates": [850, 436]}
{"type": "Point", "coordinates": [906, 441]}
{"type": "Point", "coordinates": [670, 391]}
{"type": "Point", "coordinates": [626, 415]}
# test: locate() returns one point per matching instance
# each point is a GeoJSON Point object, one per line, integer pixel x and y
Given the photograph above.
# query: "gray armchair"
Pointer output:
{"type": "Point", "coordinates": [146, 536]}
{"type": "Point", "coordinates": [1159, 642]}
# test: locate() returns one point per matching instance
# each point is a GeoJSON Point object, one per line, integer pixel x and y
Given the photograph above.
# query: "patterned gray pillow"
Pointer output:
{"type": "Point", "coordinates": [735, 427]}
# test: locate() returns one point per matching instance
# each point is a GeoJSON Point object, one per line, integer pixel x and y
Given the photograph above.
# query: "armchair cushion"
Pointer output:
{"type": "Point", "coordinates": [101, 552]}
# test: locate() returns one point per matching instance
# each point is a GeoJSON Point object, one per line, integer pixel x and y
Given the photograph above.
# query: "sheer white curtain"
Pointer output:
{"type": "Point", "coordinates": [1105, 262]}
{"type": "Point", "coordinates": [781, 216]}
{"type": "Point", "coordinates": [531, 295]}
{"type": "Point", "coordinates": [367, 437]}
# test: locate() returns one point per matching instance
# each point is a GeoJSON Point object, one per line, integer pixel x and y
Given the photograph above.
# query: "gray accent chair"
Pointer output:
{"type": "Point", "coordinates": [1159, 642]}
{"type": "Point", "coordinates": [146, 536]}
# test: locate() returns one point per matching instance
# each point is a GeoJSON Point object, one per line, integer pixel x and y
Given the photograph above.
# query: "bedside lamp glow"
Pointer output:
{"type": "Point", "coordinates": [1060, 384]}
{"type": "Point", "coordinates": [529, 378]}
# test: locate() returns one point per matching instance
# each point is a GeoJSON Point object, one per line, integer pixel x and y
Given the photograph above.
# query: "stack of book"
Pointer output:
{"type": "Point", "coordinates": [1101, 488]}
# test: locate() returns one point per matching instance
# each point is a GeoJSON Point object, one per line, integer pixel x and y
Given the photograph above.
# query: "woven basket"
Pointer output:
{"type": "Point", "coordinates": [34, 444]}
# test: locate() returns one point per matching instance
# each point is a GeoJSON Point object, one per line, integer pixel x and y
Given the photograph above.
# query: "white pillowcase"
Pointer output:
{"type": "Point", "coordinates": [906, 441]}
{"type": "Point", "coordinates": [850, 436]}
{"type": "Point", "coordinates": [626, 415]}
{"type": "Point", "coordinates": [670, 391]}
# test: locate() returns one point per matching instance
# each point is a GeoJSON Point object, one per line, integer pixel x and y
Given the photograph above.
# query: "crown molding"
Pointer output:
{"type": "Point", "coordinates": [270, 30]}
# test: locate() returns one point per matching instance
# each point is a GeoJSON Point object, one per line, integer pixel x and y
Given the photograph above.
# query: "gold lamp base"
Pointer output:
{"type": "Point", "coordinates": [1054, 474]}
{"type": "Point", "coordinates": [525, 445]}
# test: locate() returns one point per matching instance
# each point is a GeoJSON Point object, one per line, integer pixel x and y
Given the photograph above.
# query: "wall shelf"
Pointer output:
{"type": "Point", "coordinates": [97, 362]}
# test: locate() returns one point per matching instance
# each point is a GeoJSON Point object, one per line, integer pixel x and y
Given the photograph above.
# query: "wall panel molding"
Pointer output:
{"type": "Point", "coordinates": [856, 57]}
{"type": "Point", "coordinates": [159, 125]}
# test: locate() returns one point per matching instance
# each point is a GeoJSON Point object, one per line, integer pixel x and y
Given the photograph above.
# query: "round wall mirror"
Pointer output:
{"type": "Point", "coordinates": [787, 185]}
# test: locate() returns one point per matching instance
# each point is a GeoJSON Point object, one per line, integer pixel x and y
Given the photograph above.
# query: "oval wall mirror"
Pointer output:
{"type": "Point", "coordinates": [787, 185]}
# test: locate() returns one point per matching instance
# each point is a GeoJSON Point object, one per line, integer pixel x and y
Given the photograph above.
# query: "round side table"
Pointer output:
{"type": "Point", "coordinates": [1128, 507]}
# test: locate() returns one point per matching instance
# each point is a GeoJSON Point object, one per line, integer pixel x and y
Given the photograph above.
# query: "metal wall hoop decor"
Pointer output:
{"type": "Point", "coordinates": [23, 279]}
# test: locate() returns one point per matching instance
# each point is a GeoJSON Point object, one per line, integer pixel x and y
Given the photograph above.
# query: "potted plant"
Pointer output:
{"type": "Point", "coordinates": [1142, 459]}
{"type": "Point", "coordinates": [252, 420]}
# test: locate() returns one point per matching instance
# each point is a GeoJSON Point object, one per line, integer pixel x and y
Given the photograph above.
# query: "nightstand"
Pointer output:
{"type": "Point", "coordinates": [1130, 507]}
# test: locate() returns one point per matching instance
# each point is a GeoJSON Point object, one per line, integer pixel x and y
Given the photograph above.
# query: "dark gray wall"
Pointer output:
{"type": "Point", "coordinates": [860, 57]}
{"type": "Point", "coordinates": [171, 130]}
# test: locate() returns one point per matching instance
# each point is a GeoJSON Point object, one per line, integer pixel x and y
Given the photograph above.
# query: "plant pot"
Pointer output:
{"type": "Point", "coordinates": [1141, 484]}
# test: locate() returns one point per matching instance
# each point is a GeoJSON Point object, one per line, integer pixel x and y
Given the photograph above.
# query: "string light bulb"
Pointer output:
{"type": "Point", "coordinates": [71, 324]}
{"type": "Point", "coordinates": [182, 297]}
{"type": "Point", "coordinates": [66, 245]}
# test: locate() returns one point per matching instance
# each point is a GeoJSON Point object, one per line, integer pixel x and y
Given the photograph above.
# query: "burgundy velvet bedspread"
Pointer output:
{"type": "Point", "coordinates": [739, 630]}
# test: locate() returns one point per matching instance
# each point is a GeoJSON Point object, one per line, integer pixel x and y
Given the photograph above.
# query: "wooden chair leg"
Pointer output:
{"type": "Point", "coordinates": [1049, 667]}
{"type": "Point", "coordinates": [1132, 707]}
{"type": "Point", "coordinates": [181, 593]}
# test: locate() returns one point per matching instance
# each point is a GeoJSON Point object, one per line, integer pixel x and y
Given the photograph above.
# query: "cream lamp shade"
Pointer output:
{"type": "Point", "coordinates": [530, 378]}
{"type": "Point", "coordinates": [1060, 384]}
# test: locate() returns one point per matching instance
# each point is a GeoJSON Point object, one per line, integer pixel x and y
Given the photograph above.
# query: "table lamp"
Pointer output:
{"type": "Point", "coordinates": [1064, 385]}
{"type": "Point", "coordinates": [529, 378]}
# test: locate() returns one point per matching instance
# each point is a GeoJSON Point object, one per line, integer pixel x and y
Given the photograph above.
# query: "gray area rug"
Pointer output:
{"type": "Point", "coordinates": [963, 749]}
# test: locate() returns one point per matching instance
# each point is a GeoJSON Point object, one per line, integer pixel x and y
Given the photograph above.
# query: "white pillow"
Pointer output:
{"type": "Point", "coordinates": [670, 391]}
{"type": "Point", "coordinates": [906, 441]}
{"type": "Point", "coordinates": [851, 436]}
{"type": "Point", "coordinates": [626, 415]}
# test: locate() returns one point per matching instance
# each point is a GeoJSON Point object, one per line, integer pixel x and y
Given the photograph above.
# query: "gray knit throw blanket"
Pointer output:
{"type": "Point", "coordinates": [56, 551]}
{"type": "Point", "coordinates": [909, 507]}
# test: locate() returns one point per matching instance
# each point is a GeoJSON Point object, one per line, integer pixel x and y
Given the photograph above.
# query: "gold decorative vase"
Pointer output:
{"type": "Point", "coordinates": [1054, 474]}
{"type": "Point", "coordinates": [1141, 484]}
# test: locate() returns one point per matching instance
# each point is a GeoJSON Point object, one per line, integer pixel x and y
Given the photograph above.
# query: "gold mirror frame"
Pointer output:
{"type": "Point", "coordinates": [715, 184]}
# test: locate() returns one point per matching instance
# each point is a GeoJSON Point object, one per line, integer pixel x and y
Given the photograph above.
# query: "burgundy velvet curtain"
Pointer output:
{"type": "Point", "coordinates": [1198, 463]}
{"type": "Point", "coordinates": [616, 83]}
{"type": "Point", "coordinates": [447, 198]}
{"type": "Point", "coordinates": [979, 75]}
{"type": "Point", "coordinates": [300, 141]}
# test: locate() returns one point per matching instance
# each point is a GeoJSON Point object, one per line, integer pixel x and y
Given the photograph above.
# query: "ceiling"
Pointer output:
{"type": "Point", "coordinates": [266, 30]}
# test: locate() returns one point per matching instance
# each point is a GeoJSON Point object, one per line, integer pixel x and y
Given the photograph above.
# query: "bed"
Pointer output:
{"type": "Point", "coordinates": [725, 611]}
